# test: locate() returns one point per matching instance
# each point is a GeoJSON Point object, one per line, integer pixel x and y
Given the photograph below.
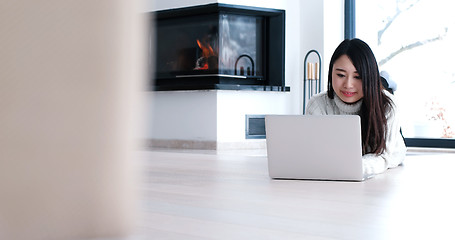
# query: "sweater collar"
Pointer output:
{"type": "Point", "coordinates": [349, 108]}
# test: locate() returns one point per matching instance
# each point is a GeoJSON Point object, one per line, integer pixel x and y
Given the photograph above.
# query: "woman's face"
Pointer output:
{"type": "Point", "coordinates": [346, 80]}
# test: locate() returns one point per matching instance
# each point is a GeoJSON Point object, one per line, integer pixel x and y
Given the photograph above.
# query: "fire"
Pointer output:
{"type": "Point", "coordinates": [207, 52]}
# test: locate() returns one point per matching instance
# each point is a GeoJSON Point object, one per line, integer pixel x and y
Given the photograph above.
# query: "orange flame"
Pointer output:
{"type": "Point", "coordinates": [207, 51]}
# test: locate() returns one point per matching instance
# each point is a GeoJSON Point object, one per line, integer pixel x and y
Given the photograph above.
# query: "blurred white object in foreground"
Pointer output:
{"type": "Point", "coordinates": [70, 77]}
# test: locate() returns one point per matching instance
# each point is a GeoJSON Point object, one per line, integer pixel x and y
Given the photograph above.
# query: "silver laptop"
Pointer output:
{"type": "Point", "coordinates": [327, 147]}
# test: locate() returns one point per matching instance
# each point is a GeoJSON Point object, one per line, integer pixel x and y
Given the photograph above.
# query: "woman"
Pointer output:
{"type": "Point", "coordinates": [354, 87]}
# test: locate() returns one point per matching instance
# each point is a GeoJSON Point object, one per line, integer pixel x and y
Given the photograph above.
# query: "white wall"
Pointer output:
{"type": "Point", "coordinates": [312, 38]}
{"type": "Point", "coordinates": [304, 32]}
{"type": "Point", "coordinates": [184, 115]}
{"type": "Point", "coordinates": [333, 31]}
{"type": "Point", "coordinates": [167, 4]}
{"type": "Point", "coordinates": [234, 105]}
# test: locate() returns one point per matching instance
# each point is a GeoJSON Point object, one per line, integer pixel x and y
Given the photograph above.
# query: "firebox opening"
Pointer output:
{"type": "Point", "coordinates": [219, 46]}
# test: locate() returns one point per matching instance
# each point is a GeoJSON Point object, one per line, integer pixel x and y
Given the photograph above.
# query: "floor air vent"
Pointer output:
{"type": "Point", "coordinates": [255, 127]}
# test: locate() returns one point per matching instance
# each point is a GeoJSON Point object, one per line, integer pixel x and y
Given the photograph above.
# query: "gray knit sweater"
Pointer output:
{"type": "Point", "coordinates": [395, 152]}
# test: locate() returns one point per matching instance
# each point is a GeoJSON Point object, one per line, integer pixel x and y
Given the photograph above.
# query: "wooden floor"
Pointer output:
{"type": "Point", "coordinates": [228, 195]}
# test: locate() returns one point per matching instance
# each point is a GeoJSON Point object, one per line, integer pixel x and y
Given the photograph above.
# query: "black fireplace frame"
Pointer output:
{"type": "Point", "coordinates": [274, 51]}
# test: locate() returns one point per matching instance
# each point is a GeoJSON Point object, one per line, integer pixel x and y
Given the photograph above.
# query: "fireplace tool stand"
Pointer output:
{"type": "Point", "coordinates": [311, 77]}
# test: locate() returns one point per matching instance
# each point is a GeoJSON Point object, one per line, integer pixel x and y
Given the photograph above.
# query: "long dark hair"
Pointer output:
{"type": "Point", "coordinates": [375, 103]}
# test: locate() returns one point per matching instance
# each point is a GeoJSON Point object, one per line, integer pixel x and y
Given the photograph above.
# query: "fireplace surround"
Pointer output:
{"type": "Point", "coordinates": [218, 46]}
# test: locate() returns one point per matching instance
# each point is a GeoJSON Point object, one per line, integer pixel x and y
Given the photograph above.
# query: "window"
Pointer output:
{"type": "Point", "coordinates": [413, 41]}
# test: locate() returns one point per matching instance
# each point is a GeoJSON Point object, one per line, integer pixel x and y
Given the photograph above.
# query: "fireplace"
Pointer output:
{"type": "Point", "coordinates": [219, 46]}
